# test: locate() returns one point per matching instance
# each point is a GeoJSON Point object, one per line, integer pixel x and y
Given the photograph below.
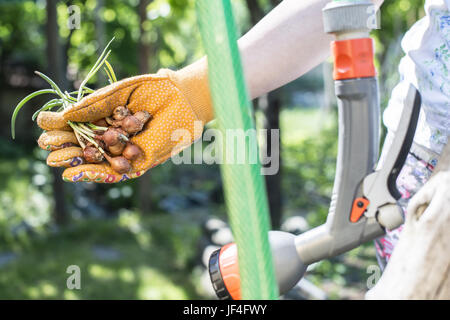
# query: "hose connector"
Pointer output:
{"type": "Point", "coordinates": [351, 22]}
{"type": "Point", "coordinates": [350, 16]}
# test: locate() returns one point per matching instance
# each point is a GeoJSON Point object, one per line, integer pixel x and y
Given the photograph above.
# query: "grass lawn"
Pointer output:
{"type": "Point", "coordinates": [152, 257]}
{"type": "Point", "coordinates": [126, 258]}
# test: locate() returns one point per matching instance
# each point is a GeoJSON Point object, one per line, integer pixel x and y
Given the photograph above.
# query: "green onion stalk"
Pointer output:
{"type": "Point", "coordinates": [84, 132]}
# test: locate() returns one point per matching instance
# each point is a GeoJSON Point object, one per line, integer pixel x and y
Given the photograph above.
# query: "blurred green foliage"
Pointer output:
{"type": "Point", "coordinates": [22, 34]}
{"type": "Point", "coordinates": [397, 16]}
{"type": "Point", "coordinates": [170, 30]}
{"type": "Point", "coordinates": [132, 257]}
{"type": "Point", "coordinates": [309, 161]}
{"type": "Point", "coordinates": [24, 206]}
{"type": "Point", "coordinates": [151, 255]}
{"type": "Point", "coordinates": [309, 151]}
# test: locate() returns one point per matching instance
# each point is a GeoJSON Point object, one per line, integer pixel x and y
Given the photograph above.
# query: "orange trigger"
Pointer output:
{"type": "Point", "coordinates": [359, 207]}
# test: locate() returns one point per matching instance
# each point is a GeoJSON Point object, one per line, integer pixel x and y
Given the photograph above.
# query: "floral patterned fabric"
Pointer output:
{"type": "Point", "coordinates": [426, 65]}
{"type": "Point", "coordinates": [415, 173]}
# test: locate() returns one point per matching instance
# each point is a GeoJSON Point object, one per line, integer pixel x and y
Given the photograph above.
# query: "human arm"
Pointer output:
{"type": "Point", "coordinates": [285, 44]}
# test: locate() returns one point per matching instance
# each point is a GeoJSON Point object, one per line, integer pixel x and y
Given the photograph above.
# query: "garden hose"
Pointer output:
{"type": "Point", "coordinates": [244, 187]}
{"type": "Point", "coordinates": [360, 195]}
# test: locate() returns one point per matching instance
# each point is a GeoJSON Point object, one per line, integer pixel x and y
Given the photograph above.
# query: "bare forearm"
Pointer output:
{"type": "Point", "coordinates": [285, 44]}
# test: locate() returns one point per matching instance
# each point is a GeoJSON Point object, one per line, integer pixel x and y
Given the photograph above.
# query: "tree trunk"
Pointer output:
{"type": "Point", "coordinates": [144, 51]}
{"type": "Point", "coordinates": [271, 121]}
{"type": "Point", "coordinates": [100, 35]}
{"type": "Point", "coordinates": [143, 45]}
{"type": "Point", "coordinates": [55, 72]}
{"type": "Point", "coordinates": [419, 267]}
{"type": "Point", "coordinates": [256, 12]}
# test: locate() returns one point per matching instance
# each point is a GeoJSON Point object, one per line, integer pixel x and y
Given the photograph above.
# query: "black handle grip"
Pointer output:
{"type": "Point", "coordinates": [401, 157]}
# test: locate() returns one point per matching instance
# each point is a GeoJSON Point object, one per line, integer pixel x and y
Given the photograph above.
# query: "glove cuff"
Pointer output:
{"type": "Point", "coordinates": [193, 83]}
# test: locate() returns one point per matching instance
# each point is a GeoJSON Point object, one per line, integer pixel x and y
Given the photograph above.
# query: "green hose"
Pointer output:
{"type": "Point", "coordinates": [244, 187]}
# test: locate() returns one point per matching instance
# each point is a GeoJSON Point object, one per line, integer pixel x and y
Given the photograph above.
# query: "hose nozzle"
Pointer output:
{"type": "Point", "coordinates": [224, 266]}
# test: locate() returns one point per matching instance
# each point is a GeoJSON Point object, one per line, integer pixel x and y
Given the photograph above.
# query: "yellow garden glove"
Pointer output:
{"type": "Point", "coordinates": [174, 99]}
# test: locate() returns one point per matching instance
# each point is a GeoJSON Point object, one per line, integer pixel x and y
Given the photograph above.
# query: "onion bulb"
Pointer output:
{"type": "Point", "coordinates": [116, 149]}
{"type": "Point", "coordinates": [100, 123]}
{"type": "Point", "coordinates": [131, 152]}
{"type": "Point", "coordinates": [143, 116]}
{"type": "Point", "coordinates": [112, 136]}
{"type": "Point", "coordinates": [132, 125]}
{"type": "Point", "coordinates": [120, 113]}
{"type": "Point", "coordinates": [92, 155]}
{"type": "Point", "coordinates": [119, 164]}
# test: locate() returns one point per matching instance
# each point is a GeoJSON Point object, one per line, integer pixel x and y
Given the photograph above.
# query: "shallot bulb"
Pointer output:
{"type": "Point", "coordinates": [92, 155]}
{"type": "Point", "coordinates": [143, 116]}
{"type": "Point", "coordinates": [117, 149]}
{"type": "Point", "coordinates": [131, 152]}
{"type": "Point", "coordinates": [112, 136]}
{"type": "Point", "coordinates": [112, 122]}
{"type": "Point", "coordinates": [120, 113]}
{"type": "Point", "coordinates": [100, 123]}
{"type": "Point", "coordinates": [132, 125]}
{"type": "Point", "coordinates": [119, 164]}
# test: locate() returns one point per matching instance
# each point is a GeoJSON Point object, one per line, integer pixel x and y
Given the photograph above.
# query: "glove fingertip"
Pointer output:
{"type": "Point", "coordinates": [66, 157]}
{"type": "Point", "coordinates": [49, 120]}
{"type": "Point", "coordinates": [98, 173]}
{"type": "Point", "coordinates": [85, 173]}
{"type": "Point", "coordinates": [82, 173]}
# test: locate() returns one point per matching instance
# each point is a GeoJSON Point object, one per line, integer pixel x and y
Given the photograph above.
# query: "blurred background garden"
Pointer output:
{"type": "Point", "coordinates": [150, 238]}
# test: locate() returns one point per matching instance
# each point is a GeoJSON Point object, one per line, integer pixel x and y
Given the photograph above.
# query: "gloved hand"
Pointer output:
{"type": "Point", "coordinates": [174, 99]}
